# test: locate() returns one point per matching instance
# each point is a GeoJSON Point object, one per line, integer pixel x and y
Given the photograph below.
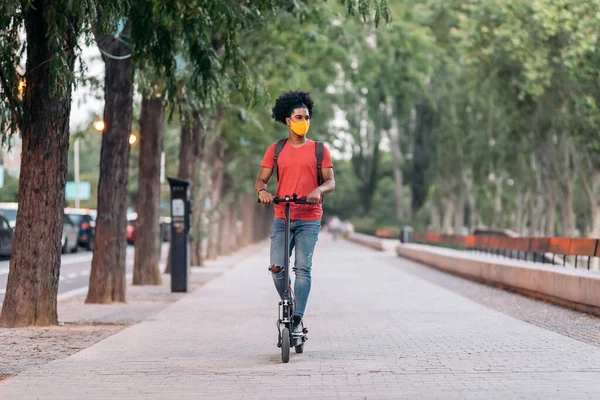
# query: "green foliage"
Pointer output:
{"type": "Point", "coordinates": [365, 225]}
{"type": "Point", "coordinates": [345, 200]}
{"type": "Point", "coordinates": [370, 226]}
{"type": "Point", "coordinates": [9, 191]}
{"type": "Point", "coordinates": [66, 22]}
{"type": "Point", "coordinates": [519, 79]}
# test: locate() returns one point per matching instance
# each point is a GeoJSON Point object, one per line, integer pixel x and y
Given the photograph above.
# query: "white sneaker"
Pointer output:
{"type": "Point", "coordinates": [297, 326]}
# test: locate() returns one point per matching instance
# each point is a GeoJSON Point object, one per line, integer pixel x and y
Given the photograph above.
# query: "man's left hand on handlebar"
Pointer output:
{"type": "Point", "coordinates": [315, 196]}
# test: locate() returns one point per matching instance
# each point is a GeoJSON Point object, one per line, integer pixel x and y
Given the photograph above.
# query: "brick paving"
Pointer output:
{"type": "Point", "coordinates": [376, 332]}
{"type": "Point", "coordinates": [568, 322]}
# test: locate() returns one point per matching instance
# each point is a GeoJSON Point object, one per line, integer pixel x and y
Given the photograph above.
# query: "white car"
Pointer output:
{"type": "Point", "coordinates": [6, 237]}
{"type": "Point", "coordinates": [10, 212]}
{"type": "Point", "coordinates": [70, 236]}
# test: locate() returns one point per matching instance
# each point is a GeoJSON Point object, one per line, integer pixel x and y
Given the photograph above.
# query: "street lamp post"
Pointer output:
{"type": "Point", "coordinates": [76, 151]}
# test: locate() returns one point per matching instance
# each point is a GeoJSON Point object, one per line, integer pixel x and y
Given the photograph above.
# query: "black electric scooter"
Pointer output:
{"type": "Point", "coordinates": [286, 307]}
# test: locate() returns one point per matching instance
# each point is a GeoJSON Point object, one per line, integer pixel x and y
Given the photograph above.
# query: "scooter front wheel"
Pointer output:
{"type": "Point", "coordinates": [285, 345]}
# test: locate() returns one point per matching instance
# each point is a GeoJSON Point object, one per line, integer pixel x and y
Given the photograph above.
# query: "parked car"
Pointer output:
{"type": "Point", "coordinates": [85, 219]}
{"type": "Point", "coordinates": [9, 210]}
{"type": "Point", "coordinates": [70, 236]}
{"type": "Point", "coordinates": [164, 230]}
{"type": "Point", "coordinates": [6, 236]}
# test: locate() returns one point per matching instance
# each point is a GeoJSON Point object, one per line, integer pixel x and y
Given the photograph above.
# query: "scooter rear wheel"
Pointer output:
{"type": "Point", "coordinates": [285, 345]}
{"type": "Point", "coordinates": [300, 348]}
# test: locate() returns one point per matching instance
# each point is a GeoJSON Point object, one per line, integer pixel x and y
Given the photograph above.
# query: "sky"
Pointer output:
{"type": "Point", "coordinates": [87, 102]}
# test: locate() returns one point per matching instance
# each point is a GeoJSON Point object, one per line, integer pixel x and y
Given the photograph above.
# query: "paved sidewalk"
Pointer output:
{"type": "Point", "coordinates": [375, 332]}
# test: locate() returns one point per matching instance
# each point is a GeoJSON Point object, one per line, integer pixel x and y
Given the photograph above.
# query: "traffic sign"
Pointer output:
{"type": "Point", "coordinates": [84, 191]}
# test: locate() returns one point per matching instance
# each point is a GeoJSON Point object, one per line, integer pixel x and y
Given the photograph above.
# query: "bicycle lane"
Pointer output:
{"type": "Point", "coordinates": [374, 331]}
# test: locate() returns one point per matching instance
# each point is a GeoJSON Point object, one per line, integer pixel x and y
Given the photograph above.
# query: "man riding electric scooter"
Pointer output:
{"type": "Point", "coordinates": [304, 168]}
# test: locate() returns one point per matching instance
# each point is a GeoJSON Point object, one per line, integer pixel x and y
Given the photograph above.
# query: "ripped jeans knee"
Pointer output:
{"type": "Point", "coordinates": [275, 269]}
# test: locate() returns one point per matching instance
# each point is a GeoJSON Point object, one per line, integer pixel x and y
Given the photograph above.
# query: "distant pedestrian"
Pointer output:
{"type": "Point", "coordinates": [335, 227]}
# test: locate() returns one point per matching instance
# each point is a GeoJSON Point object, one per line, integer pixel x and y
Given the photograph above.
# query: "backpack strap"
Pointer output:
{"type": "Point", "coordinates": [319, 153]}
{"type": "Point", "coordinates": [278, 148]}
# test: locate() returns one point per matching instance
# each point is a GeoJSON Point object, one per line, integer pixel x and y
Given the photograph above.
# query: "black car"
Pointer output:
{"type": "Point", "coordinates": [86, 221]}
{"type": "Point", "coordinates": [6, 237]}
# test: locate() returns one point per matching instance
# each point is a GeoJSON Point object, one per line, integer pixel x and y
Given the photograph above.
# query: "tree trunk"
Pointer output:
{"type": "Point", "coordinates": [567, 213]}
{"type": "Point", "coordinates": [538, 201]}
{"type": "Point", "coordinates": [107, 278]}
{"type": "Point", "coordinates": [497, 215]}
{"type": "Point", "coordinates": [424, 147]}
{"type": "Point", "coordinates": [202, 180]}
{"type": "Point", "coordinates": [147, 239]}
{"type": "Point", "coordinates": [518, 226]}
{"type": "Point", "coordinates": [459, 215]}
{"type": "Point", "coordinates": [248, 210]}
{"type": "Point", "coordinates": [595, 232]}
{"type": "Point", "coordinates": [537, 208]}
{"type": "Point", "coordinates": [393, 135]}
{"type": "Point", "coordinates": [522, 200]}
{"type": "Point", "coordinates": [227, 233]}
{"type": "Point", "coordinates": [267, 221]}
{"type": "Point", "coordinates": [551, 215]}
{"type": "Point", "coordinates": [215, 199]}
{"type": "Point", "coordinates": [35, 263]}
{"type": "Point", "coordinates": [473, 219]}
{"type": "Point", "coordinates": [591, 184]}
{"type": "Point", "coordinates": [259, 210]}
{"type": "Point", "coordinates": [449, 208]}
{"type": "Point", "coordinates": [188, 147]}
{"type": "Point", "coordinates": [232, 240]}
{"type": "Point", "coordinates": [435, 224]}
{"type": "Point", "coordinates": [223, 230]}
{"type": "Point", "coordinates": [525, 221]}
{"type": "Point", "coordinates": [188, 152]}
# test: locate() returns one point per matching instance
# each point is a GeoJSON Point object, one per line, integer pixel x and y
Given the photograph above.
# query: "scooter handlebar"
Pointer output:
{"type": "Point", "coordinates": [288, 199]}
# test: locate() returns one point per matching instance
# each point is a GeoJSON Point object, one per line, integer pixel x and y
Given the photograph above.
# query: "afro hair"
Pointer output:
{"type": "Point", "coordinates": [288, 102]}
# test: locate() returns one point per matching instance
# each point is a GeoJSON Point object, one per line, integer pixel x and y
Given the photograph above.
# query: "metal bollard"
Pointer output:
{"type": "Point", "coordinates": [406, 234]}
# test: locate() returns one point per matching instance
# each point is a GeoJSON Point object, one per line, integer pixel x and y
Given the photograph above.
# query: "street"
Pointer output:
{"type": "Point", "coordinates": [74, 272]}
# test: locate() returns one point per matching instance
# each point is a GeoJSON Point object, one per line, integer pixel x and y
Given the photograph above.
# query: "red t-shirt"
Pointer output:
{"type": "Point", "coordinates": [297, 174]}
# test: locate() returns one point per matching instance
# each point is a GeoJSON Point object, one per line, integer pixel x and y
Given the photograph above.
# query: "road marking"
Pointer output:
{"type": "Point", "coordinates": [72, 275]}
{"type": "Point", "coordinates": [75, 260]}
{"type": "Point", "coordinates": [2, 291]}
{"type": "Point", "coordinates": [63, 262]}
{"type": "Point", "coordinates": [71, 259]}
{"type": "Point", "coordinates": [84, 273]}
{"type": "Point", "coordinates": [72, 293]}
{"type": "Point", "coordinates": [82, 290]}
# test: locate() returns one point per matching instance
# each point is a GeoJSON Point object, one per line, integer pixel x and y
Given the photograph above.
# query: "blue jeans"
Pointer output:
{"type": "Point", "coordinates": [303, 236]}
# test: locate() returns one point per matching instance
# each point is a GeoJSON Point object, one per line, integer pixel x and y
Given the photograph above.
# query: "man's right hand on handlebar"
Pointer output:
{"type": "Point", "coordinates": [265, 197]}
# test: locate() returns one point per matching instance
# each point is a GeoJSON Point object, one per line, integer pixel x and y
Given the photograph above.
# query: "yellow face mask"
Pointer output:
{"type": "Point", "coordinates": [300, 128]}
